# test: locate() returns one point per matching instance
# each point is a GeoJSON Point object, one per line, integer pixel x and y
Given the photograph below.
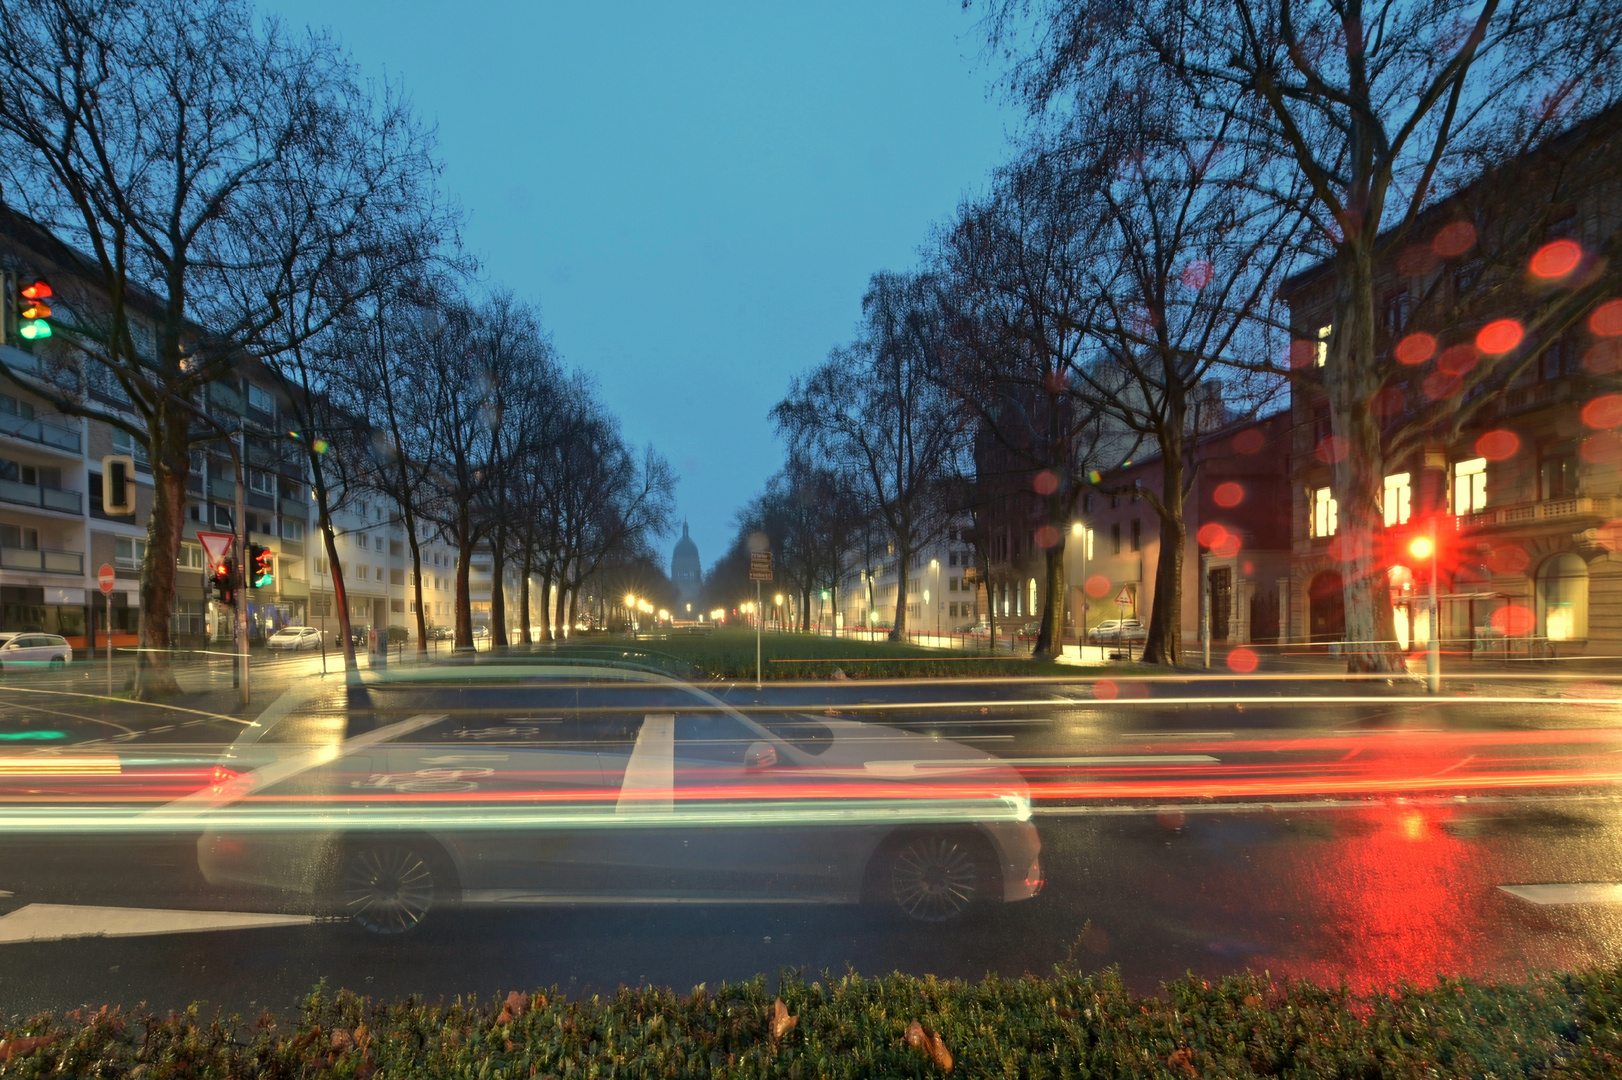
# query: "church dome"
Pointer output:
{"type": "Point", "coordinates": [686, 571]}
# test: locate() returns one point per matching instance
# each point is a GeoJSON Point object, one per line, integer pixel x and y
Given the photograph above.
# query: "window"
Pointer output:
{"type": "Point", "coordinates": [1320, 352]}
{"type": "Point", "coordinates": [1559, 360]}
{"type": "Point", "coordinates": [951, 584]}
{"type": "Point", "coordinates": [1562, 598]}
{"type": "Point", "coordinates": [714, 737]}
{"type": "Point", "coordinates": [292, 530]}
{"type": "Point", "coordinates": [320, 564]}
{"type": "Point", "coordinates": [377, 543]}
{"type": "Point", "coordinates": [396, 577]}
{"type": "Point", "coordinates": [1324, 513]}
{"type": "Point", "coordinates": [1087, 503]}
{"type": "Point", "coordinates": [1557, 472]}
{"type": "Point", "coordinates": [1115, 538]}
{"type": "Point", "coordinates": [951, 558]}
{"type": "Point", "coordinates": [362, 571]}
{"type": "Point", "coordinates": [260, 399]}
{"type": "Point", "coordinates": [221, 515]}
{"type": "Point", "coordinates": [190, 558]}
{"type": "Point", "coordinates": [127, 553]}
{"type": "Point", "coordinates": [1137, 534]}
{"type": "Point", "coordinates": [359, 540]}
{"type": "Point", "coordinates": [261, 482]}
{"type": "Point", "coordinates": [1470, 486]}
{"type": "Point", "coordinates": [12, 407]}
{"type": "Point", "coordinates": [15, 536]}
{"type": "Point", "coordinates": [1397, 501]}
{"type": "Point", "coordinates": [125, 443]}
{"type": "Point", "coordinates": [1395, 307]}
{"type": "Point", "coordinates": [397, 606]}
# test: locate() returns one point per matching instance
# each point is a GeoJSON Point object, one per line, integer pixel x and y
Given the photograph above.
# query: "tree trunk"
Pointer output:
{"type": "Point", "coordinates": [574, 606]}
{"type": "Point", "coordinates": [898, 631]}
{"type": "Point", "coordinates": [1351, 379]}
{"type": "Point", "coordinates": [523, 598]}
{"type": "Point", "coordinates": [1164, 644]}
{"type": "Point", "coordinates": [167, 450]}
{"type": "Point", "coordinates": [416, 578]}
{"type": "Point", "coordinates": [1050, 639]}
{"type": "Point", "coordinates": [498, 593]}
{"type": "Point", "coordinates": [340, 598]}
{"type": "Point", "coordinates": [463, 601]}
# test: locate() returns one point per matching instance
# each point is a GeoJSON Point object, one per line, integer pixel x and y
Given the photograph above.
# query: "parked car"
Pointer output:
{"type": "Point", "coordinates": [1030, 629]}
{"type": "Point", "coordinates": [27, 649]}
{"type": "Point", "coordinates": [1112, 630]}
{"type": "Point", "coordinates": [595, 783]}
{"type": "Point", "coordinates": [981, 627]}
{"type": "Point", "coordinates": [440, 633]}
{"type": "Point", "coordinates": [357, 634]}
{"type": "Point", "coordinates": [297, 638]}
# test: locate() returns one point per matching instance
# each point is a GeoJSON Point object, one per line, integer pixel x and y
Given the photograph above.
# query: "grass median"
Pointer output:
{"type": "Point", "coordinates": [1062, 1025]}
{"type": "Point", "coordinates": [730, 654]}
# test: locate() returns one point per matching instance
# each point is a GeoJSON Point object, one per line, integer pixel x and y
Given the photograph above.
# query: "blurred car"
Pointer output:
{"type": "Point", "coordinates": [481, 635]}
{"type": "Point", "coordinates": [296, 638]}
{"type": "Point", "coordinates": [31, 649]}
{"type": "Point", "coordinates": [1030, 629]}
{"type": "Point", "coordinates": [581, 783]}
{"type": "Point", "coordinates": [357, 634]}
{"type": "Point", "coordinates": [1111, 630]}
{"type": "Point", "coordinates": [440, 633]}
{"type": "Point", "coordinates": [981, 627]}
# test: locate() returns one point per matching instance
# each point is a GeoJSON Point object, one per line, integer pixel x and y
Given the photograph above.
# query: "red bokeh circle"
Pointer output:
{"type": "Point", "coordinates": [1416, 348]}
{"type": "Point", "coordinates": [1513, 620]}
{"type": "Point", "coordinates": [1499, 336]}
{"type": "Point", "coordinates": [1604, 411]}
{"type": "Point", "coordinates": [1557, 259]}
{"type": "Point", "coordinates": [1228, 493]}
{"type": "Point", "coordinates": [1242, 660]}
{"type": "Point", "coordinates": [1498, 445]}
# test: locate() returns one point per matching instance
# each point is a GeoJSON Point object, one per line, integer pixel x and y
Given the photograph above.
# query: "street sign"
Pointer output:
{"type": "Point", "coordinates": [216, 546]}
{"type": "Point", "coordinates": [104, 578]}
{"type": "Point", "coordinates": [760, 566]}
{"type": "Point", "coordinates": [1124, 597]}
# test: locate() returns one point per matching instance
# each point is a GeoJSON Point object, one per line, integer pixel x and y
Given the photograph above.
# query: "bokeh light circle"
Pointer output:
{"type": "Point", "coordinates": [1106, 690]}
{"type": "Point", "coordinates": [1047, 536]}
{"type": "Point", "coordinates": [1602, 448]}
{"type": "Point", "coordinates": [1498, 445]}
{"type": "Point", "coordinates": [1226, 546]}
{"type": "Point", "coordinates": [1302, 354]}
{"type": "Point", "coordinates": [1228, 493]}
{"type": "Point", "coordinates": [1557, 259]}
{"type": "Point", "coordinates": [1045, 482]}
{"type": "Point", "coordinates": [1242, 660]}
{"type": "Point", "coordinates": [1606, 321]}
{"type": "Point", "coordinates": [1387, 402]}
{"type": "Point", "coordinates": [1441, 384]}
{"type": "Point", "coordinates": [1331, 449]}
{"type": "Point", "coordinates": [1604, 411]}
{"type": "Point", "coordinates": [1458, 359]}
{"type": "Point", "coordinates": [1513, 620]}
{"type": "Point", "coordinates": [1097, 586]}
{"type": "Point", "coordinates": [1454, 239]}
{"type": "Point", "coordinates": [1508, 559]}
{"type": "Point", "coordinates": [1603, 357]}
{"type": "Point", "coordinates": [1416, 348]}
{"type": "Point", "coordinates": [1210, 534]}
{"type": "Point", "coordinates": [1499, 336]}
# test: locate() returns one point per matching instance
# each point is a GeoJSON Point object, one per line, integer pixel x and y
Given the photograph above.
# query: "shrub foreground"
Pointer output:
{"type": "Point", "coordinates": [1065, 1025]}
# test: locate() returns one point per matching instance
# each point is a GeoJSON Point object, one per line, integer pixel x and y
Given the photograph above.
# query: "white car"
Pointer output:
{"type": "Point", "coordinates": [29, 649]}
{"type": "Point", "coordinates": [1113, 630]}
{"type": "Point", "coordinates": [582, 783]}
{"type": "Point", "coordinates": [297, 638]}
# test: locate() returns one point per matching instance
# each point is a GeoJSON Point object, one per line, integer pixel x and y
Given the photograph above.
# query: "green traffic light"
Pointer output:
{"type": "Point", "coordinates": [35, 330]}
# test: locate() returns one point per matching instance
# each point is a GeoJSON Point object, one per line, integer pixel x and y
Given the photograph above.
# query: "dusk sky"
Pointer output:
{"type": "Point", "coordinates": [695, 195]}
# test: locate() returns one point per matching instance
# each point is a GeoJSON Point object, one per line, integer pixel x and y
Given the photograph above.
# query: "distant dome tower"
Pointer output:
{"type": "Point", "coordinates": [687, 574]}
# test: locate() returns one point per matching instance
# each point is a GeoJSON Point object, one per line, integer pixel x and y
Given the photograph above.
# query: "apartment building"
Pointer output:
{"type": "Point", "coordinates": [938, 580]}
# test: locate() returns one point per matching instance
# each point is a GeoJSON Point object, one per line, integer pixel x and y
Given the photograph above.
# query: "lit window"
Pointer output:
{"type": "Point", "coordinates": [1470, 486]}
{"type": "Point", "coordinates": [1324, 513]}
{"type": "Point", "coordinates": [1320, 354]}
{"type": "Point", "coordinates": [1397, 499]}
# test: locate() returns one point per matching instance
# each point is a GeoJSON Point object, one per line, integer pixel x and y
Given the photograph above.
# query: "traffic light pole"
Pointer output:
{"type": "Point", "coordinates": [1433, 654]}
{"type": "Point", "coordinates": [241, 542]}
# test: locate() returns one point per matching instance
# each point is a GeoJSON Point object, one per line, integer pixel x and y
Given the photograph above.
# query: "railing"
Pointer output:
{"type": "Point", "coordinates": [38, 431]}
{"type": "Point", "coordinates": [70, 502]}
{"type": "Point", "coordinates": [1595, 506]}
{"type": "Point", "coordinates": [42, 560]}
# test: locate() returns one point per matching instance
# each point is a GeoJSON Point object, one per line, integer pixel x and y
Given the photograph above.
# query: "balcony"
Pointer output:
{"type": "Point", "coordinates": [68, 502]}
{"type": "Point", "coordinates": [224, 490]}
{"type": "Point", "coordinates": [38, 431]}
{"type": "Point", "coordinates": [295, 508]}
{"type": "Point", "coordinates": [1574, 508]}
{"type": "Point", "coordinates": [42, 561]}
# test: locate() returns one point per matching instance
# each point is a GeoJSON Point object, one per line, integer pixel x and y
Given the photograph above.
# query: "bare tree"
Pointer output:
{"type": "Point", "coordinates": [1383, 110]}
{"type": "Point", "coordinates": [875, 412]}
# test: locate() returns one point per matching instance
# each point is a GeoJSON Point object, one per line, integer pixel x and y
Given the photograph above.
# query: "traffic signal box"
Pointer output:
{"type": "Point", "coordinates": [262, 565]}
{"type": "Point", "coordinates": [33, 309]}
{"type": "Point", "coordinates": [225, 582]}
{"type": "Point", "coordinates": [1414, 544]}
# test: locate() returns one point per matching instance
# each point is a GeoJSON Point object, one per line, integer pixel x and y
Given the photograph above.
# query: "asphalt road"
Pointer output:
{"type": "Point", "coordinates": [1363, 833]}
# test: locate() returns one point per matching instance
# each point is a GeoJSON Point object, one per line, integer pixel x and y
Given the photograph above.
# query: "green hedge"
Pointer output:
{"type": "Point", "coordinates": [1065, 1025]}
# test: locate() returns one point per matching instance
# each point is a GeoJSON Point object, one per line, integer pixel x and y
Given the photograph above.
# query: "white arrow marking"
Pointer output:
{"type": "Point", "coordinates": [1571, 892]}
{"type": "Point", "coordinates": [56, 922]}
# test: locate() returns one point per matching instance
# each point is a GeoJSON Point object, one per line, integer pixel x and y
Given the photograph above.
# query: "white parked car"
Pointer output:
{"type": "Point", "coordinates": [1112, 630]}
{"type": "Point", "coordinates": [34, 650]}
{"type": "Point", "coordinates": [295, 637]}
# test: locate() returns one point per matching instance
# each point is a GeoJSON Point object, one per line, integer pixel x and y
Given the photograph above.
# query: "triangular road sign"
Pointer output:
{"type": "Point", "coordinates": [216, 546]}
{"type": "Point", "coordinates": [1122, 598]}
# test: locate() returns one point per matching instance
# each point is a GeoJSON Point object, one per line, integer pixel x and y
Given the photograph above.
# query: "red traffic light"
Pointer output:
{"type": "Point", "coordinates": [38, 290]}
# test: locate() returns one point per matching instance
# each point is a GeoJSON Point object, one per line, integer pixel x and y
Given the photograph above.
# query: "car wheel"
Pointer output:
{"type": "Point", "coordinates": [391, 886]}
{"type": "Point", "coordinates": [936, 877]}
{"type": "Point", "coordinates": [57, 663]}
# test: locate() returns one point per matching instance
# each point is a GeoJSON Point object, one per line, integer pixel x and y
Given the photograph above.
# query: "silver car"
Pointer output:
{"type": "Point", "coordinates": [34, 650]}
{"type": "Point", "coordinates": [1113, 630]}
{"type": "Point", "coordinates": [297, 638]}
{"type": "Point", "coordinates": [594, 784]}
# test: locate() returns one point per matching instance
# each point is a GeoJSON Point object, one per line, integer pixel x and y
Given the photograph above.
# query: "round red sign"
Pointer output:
{"type": "Point", "coordinates": [104, 578]}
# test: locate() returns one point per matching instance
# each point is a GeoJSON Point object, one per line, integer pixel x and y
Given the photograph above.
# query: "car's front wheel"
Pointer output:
{"type": "Point", "coordinates": [58, 663]}
{"type": "Point", "coordinates": [936, 877]}
{"type": "Point", "coordinates": [389, 886]}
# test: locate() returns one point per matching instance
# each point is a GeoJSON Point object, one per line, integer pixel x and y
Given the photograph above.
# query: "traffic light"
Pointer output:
{"type": "Point", "coordinates": [33, 311]}
{"type": "Point", "coordinates": [262, 565]}
{"type": "Point", "coordinates": [225, 582]}
{"type": "Point", "coordinates": [1422, 543]}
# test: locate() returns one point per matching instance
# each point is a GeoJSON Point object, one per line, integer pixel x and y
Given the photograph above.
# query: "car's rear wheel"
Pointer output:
{"type": "Point", "coordinates": [389, 886]}
{"type": "Point", "coordinates": [935, 877]}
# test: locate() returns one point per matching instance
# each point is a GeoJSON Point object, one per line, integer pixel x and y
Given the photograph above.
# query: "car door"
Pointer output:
{"type": "Point", "coordinates": [23, 650]}
{"type": "Point", "coordinates": [529, 769]}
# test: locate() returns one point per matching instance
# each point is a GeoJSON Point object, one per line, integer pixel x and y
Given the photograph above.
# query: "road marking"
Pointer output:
{"type": "Point", "coordinates": [1570, 892]}
{"type": "Point", "coordinates": [57, 922]}
{"type": "Point", "coordinates": [650, 774]}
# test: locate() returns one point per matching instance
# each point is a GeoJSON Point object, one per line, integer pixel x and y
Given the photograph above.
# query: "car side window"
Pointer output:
{"type": "Point", "coordinates": [536, 730]}
{"type": "Point", "coordinates": [712, 737]}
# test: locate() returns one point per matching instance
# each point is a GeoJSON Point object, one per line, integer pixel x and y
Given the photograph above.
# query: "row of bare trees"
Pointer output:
{"type": "Point", "coordinates": [1117, 291]}
{"type": "Point", "coordinates": [233, 190]}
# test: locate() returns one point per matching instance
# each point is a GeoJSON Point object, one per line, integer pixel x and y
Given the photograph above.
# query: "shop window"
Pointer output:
{"type": "Point", "coordinates": [1562, 598]}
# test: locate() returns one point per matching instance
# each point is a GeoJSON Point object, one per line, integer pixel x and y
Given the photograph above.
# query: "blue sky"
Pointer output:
{"type": "Point", "coordinates": [695, 195]}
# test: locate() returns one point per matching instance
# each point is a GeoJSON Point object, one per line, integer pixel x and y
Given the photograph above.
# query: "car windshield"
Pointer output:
{"type": "Point", "coordinates": [988, 538]}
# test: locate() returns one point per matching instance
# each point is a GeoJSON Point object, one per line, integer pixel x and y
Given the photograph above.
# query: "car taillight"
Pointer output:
{"type": "Point", "coordinates": [228, 781]}
{"type": "Point", "coordinates": [1033, 877]}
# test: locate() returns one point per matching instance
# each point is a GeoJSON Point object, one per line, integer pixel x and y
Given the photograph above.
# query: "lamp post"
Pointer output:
{"type": "Point", "coordinates": [1424, 547]}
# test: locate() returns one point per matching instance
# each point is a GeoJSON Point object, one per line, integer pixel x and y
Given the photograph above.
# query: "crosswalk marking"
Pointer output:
{"type": "Point", "coordinates": [1568, 892]}
{"type": "Point", "coordinates": [59, 922]}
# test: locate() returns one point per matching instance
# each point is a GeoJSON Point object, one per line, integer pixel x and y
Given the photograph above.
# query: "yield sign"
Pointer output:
{"type": "Point", "coordinates": [216, 546]}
